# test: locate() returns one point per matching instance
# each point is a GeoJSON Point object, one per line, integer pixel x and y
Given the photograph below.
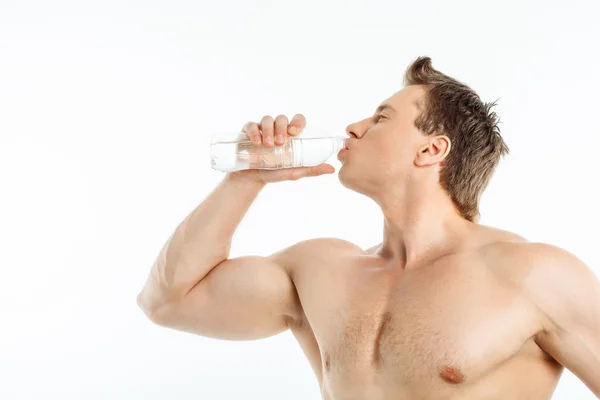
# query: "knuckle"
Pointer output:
{"type": "Point", "coordinates": [267, 128]}
{"type": "Point", "coordinates": [266, 120]}
{"type": "Point", "coordinates": [297, 125]}
{"type": "Point", "coordinates": [300, 118]}
{"type": "Point", "coordinates": [252, 130]}
{"type": "Point", "coordinates": [281, 123]}
{"type": "Point", "coordinates": [281, 119]}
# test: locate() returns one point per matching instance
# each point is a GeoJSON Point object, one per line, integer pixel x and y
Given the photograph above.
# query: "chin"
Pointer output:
{"type": "Point", "coordinates": [342, 175]}
{"type": "Point", "coordinates": [346, 179]}
{"type": "Point", "coordinates": [361, 184]}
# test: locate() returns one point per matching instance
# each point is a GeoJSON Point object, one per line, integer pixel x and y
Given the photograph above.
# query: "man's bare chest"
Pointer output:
{"type": "Point", "coordinates": [440, 326]}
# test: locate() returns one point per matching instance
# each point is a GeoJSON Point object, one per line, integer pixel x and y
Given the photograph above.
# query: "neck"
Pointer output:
{"type": "Point", "coordinates": [420, 225]}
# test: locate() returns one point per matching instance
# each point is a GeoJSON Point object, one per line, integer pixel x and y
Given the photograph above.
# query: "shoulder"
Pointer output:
{"type": "Point", "coordinates": [550, 267]}
{"type": "Point", "coordinates": [314, 249]}
{"type": "Point", "coordinates": [326, 242]}
{"type": "Point", "coordinates": [533, 262]}
{"type": "Point", "coordinates": [531, 256]}
{"type": "Point", "coordinates": [538, 269]}
{"type": "Point", "coordinates": [507, 250]}
{"type": "Point", "coordinates": [320, 246]}
{"type": "Point", "coordinates": [554, 280]}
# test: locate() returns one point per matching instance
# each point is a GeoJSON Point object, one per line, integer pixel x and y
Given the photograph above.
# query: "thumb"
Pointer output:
{"type": "Point", "coordinates": [294, 174]}
{"type": "Point", "coordinates": [322, 169]}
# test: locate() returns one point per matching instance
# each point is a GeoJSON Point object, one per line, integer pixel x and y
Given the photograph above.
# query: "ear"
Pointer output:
{"type": "Point", "coordinates": [434, 152]}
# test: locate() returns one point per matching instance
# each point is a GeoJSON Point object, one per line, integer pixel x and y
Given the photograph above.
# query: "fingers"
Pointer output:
{"type": "Point", "coordinates": [281, 124]}
{"type": "Point", "coordinates": [253, 132]}
{"type": "Point", "coordinates": [267, 128]}
{"type": "Point", "coordinates": [296, 125]}
{"type": "Point", "coordinates": [274, 132]}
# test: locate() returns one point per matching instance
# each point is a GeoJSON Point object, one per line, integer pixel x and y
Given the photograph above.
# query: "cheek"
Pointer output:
{"type": "Point", "coordinates": [390, 148]}
{"type": "Point", "coordinates": [395, 157]}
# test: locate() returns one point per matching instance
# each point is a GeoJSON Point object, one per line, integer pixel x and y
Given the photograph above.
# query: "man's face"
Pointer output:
{"type": "Point", "coordinates": [382, 148]}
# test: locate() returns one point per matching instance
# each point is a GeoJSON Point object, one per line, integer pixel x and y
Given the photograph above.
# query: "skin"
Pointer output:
{"type": "Point", "coordinates": [443, 308]}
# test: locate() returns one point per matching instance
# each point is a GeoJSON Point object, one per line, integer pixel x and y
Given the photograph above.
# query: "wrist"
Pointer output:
{"type": "Point", "coordinates": [245, 181]}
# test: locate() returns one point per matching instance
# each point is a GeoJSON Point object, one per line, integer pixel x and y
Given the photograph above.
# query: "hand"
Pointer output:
{"type": "Point", "coordinates": [271, 133]}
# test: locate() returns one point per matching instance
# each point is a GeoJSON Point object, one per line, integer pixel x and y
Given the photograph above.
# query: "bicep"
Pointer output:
{"type": "Point", "coordinates": [242, 298]}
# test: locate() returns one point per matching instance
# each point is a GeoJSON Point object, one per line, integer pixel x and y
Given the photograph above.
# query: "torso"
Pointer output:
{"type": "Point", "coordinates": [455, 328]}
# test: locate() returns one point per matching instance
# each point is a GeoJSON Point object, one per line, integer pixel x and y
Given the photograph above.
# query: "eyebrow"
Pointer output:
{"type": "Point", "coordinates": [383, 107]}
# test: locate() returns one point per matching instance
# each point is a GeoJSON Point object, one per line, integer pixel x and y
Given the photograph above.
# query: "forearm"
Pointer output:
{"type": "Point", "coordinates": [200, 242]}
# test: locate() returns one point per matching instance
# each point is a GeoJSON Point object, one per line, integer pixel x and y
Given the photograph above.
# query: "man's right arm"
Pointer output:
{"type": "Point", "coordinates": [242, 298]}
{"type": "Point", "coordinates": [193, 286]}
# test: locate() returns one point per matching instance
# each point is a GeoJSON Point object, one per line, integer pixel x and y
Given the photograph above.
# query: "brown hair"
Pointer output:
{"type": "Point", "coordinates": [453, 109]}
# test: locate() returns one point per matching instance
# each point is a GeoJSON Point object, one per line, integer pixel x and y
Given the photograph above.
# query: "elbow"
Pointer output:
{"type": "Point", "coordinates": [153, 310]}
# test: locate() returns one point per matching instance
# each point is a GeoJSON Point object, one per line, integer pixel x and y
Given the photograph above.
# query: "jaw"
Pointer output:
{"type": "Point", "coordinates": [360, 184]}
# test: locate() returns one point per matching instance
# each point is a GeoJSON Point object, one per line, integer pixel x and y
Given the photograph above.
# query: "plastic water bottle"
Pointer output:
{"type": "Point", "coordinates": [234, 152]}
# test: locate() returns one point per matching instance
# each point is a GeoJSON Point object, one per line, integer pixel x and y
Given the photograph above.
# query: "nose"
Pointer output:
{"type": "Point", "coordinates": [351, 130]}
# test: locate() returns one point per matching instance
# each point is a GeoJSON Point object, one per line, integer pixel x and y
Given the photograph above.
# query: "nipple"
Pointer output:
{"type": "Point", "coordinates": [451, 375]}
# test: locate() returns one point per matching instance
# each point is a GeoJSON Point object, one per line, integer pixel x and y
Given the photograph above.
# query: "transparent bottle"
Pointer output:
{"type": "Point", "coordinates": [234, 152]}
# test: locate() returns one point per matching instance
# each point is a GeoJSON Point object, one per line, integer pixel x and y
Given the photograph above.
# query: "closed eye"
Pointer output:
{"type": "Point", "coordinates": [379, 117]}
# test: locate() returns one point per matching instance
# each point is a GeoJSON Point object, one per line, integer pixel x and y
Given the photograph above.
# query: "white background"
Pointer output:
{"type": "Point", "coordinates": [106, 108]}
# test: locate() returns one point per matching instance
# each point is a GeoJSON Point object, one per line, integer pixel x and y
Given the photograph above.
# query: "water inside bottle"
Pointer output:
{"type": "Point", "coordinates": [246, 155]}
{"type": "Point", "coordinates": [235, 155]}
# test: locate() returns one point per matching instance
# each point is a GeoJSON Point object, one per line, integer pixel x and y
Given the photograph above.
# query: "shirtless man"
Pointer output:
{"type": "Point", "coordinates": [443, 308]}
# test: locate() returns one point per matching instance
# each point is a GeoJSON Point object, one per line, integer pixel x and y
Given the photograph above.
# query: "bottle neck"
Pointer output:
{"type": "Point", "coordinates": [340, 142]}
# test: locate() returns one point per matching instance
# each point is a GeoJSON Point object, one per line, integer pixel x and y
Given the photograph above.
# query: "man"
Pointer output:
{"type": "Point", "coordinates": [443, 308]}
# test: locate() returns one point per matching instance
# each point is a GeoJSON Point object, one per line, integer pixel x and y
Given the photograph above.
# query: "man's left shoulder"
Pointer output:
{"type": "Point", "coordinates": [522, 254]}
{"type": "Point", "coordinates": [538, 267]}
